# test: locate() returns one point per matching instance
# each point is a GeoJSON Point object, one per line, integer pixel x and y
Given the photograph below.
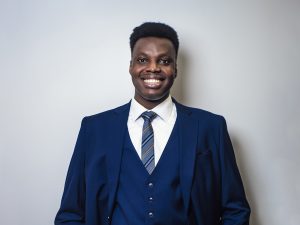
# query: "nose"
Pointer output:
{"type": "Point", "coordinates": [153, 67]}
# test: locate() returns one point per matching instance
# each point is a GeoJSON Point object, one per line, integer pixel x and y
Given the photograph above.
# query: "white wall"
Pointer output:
{"type": "Point", "coordinates": [63, 59]}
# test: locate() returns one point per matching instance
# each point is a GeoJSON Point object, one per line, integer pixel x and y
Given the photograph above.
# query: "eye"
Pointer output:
{"type": "Point", "coordinates": [165, 61]}
{"type": "Point", "coordinates": [142, 60]}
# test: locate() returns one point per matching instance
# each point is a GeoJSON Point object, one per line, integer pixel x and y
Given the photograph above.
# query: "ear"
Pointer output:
{"type": "Point", "coordinates": [130, 66]}
{"type": "Point", "coordinates": [175, 74]}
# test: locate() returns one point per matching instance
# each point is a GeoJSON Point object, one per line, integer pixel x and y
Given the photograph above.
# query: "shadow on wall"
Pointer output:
{"type": "Point", "coordinates": [242, 163]}
{"type": "Point", "coordinates": [180, 85]}
{"type": "Point", "coordinates": [179, 91]}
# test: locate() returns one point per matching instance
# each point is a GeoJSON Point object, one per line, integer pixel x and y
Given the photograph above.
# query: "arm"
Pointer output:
{"type": "Point", "coordinates": [72, 208]}
{"type": "Point", "coordinates": [235, 208]}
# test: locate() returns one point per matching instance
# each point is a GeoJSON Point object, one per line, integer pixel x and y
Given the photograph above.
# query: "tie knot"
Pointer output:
{"type": "Point", "coordinates": [149, 115]}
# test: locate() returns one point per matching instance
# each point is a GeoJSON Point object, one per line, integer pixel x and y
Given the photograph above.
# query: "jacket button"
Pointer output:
{"type": "Point", "coordinates": [108, 218]}
{"type": "Point", "coordinates": [150, 185]}
{"type": "Point", "coordinates": [151, 214]}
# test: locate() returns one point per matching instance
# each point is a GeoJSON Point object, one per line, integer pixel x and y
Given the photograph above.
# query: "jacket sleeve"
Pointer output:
{"type": "Point", "coordinates": [72, 208]}
{"type": "Point", "coordinates": [235, 208]}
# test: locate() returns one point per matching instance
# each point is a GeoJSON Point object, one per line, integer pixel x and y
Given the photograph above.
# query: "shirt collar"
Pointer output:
{"type": "Point", "coordinates": [163, 110]}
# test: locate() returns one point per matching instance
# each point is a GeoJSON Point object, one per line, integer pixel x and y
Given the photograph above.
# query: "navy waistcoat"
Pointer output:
{"type": "Point", "coordinates": [154, 199]}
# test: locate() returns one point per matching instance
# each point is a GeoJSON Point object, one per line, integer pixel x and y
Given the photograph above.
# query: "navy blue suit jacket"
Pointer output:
{"type": "Point", "coordinates": [209, 178]}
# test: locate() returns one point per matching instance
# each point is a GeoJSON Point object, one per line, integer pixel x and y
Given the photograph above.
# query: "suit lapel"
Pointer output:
{"type": "Point", "coordinates": [188, 131]}
{"type": "Point", "coordinates": [115, 150]}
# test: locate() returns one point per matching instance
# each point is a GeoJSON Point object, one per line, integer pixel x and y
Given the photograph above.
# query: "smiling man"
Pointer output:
{"type": "Point", "coordinates": [153, 70]}
{"type": "Point", "coordinates": [153, 160]}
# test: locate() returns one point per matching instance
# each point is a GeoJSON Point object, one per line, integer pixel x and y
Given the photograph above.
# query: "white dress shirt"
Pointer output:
{"type": "Point", "coordinates": [162, 125]}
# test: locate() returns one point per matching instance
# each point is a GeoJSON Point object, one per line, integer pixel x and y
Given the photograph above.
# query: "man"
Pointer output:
{"type": "Point", "coordinates": [153, 160]}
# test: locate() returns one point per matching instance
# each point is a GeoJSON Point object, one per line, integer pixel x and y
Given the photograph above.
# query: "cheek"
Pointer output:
{"type": "Point", "coordinates": [135, 71]}
{"type": "Point", "coordinates": [171, 70]}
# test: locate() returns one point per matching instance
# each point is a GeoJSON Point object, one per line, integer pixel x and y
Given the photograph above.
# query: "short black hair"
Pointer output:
{"type": "Point", "coordinates": [154, 29]}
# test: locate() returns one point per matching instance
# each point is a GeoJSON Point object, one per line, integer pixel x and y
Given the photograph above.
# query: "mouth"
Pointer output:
{"type": "Point", "coordinates": [152, 82]}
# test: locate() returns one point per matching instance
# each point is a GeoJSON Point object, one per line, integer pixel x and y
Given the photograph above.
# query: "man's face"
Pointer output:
{"type": "Point", "coordinates": [153, 69]}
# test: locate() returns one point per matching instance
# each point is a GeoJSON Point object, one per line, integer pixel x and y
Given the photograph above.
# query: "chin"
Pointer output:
{"type": "Point", "coordinates": [155, 98]}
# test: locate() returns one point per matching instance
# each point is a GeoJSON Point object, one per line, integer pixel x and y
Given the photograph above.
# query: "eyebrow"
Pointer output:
{"type": "Point", "coordinates": [168, 54]}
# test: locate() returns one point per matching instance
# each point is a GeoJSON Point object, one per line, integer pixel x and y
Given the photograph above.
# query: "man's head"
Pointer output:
{"type": "Point", "coordinates": [154, 48]}
{"type": "Point", "coordinates": [152, 29]}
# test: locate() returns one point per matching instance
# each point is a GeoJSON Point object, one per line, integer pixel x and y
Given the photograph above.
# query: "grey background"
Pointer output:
{"type": "Point", "coordinates": [61, 60]}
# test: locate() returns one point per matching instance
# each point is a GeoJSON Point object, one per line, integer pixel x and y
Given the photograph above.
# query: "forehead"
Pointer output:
{"type": "Point", "coordinates": [153, 45]}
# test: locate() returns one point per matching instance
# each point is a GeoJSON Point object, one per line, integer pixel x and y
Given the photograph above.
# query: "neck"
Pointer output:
{"type": "Point", "coordinates": [150, 104]}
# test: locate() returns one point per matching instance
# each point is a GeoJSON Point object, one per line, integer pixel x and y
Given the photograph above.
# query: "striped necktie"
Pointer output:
{"type": "Point", "coordinates": [148, 141]}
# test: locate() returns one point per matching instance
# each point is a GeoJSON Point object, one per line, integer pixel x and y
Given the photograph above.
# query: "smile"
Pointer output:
{"type": "Point", "coordinates": [152, 81]}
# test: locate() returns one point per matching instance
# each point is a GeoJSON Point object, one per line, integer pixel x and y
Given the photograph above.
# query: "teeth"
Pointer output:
{"type": "Point", "coordinates": [152, 81]}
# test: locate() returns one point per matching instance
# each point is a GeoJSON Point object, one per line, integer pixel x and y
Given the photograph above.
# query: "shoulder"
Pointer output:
{"type": "Point", "coordinates": [107, 115]}
{"type": "Point", "coordinates": [201, 115]}
{"type": "Point", "coordinates": [197, 112]}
